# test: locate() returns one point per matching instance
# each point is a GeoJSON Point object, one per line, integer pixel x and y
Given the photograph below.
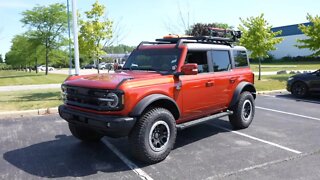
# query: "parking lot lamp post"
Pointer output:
{"type": "Point", "coordinates": [75, 35]}
{"type": "Point", "coordinates": [69, 36]}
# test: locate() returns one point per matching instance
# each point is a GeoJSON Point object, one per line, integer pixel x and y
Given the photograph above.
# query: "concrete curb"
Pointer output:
{"type": "Point", "coordinates": [26, 113]}
{"type": "Point", "coordinates": [273, 91]}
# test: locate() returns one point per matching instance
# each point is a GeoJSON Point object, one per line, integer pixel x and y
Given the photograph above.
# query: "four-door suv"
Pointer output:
{"type": "Point", "coordinates": [166, 85]}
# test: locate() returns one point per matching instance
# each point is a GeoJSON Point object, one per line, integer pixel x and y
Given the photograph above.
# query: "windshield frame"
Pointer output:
{"type": "Point", "coordinates": [155, 52]}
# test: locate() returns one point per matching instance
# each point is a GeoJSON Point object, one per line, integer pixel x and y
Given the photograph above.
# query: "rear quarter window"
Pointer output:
{"type": "Point", "coordinates": [240, 59]}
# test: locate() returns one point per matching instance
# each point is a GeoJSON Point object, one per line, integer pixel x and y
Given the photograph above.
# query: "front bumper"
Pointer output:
{"type": "Point", "coordinates": [114, 126]}
{"type": "Point", "coordinates": [289, 85]}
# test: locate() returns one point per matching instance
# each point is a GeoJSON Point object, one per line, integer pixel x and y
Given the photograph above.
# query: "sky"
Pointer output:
{"type": "Point", "coordinates": [146, 20]}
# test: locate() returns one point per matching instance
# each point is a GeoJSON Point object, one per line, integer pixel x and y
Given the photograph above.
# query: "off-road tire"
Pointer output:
{"type": "Point", "coordinates": [84, 134]}
{"type": "Point", "coordinates": [243, 111]}
{"type": "Point", "coordinates": [142, 138]}
{"type": "Point", "coordinates": [299, 89]}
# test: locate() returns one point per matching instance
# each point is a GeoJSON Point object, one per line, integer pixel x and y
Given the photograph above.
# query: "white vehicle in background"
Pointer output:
{"type": "Point", "coordinates": [43, 68]}
{"type": "Point", "coordinates": [105, 65]}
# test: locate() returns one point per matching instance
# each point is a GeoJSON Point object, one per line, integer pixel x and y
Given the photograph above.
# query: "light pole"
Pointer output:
{"type": "Point", "coordinates": [75, 37]}
{"type": "Point", "coordinates": [69, 34]}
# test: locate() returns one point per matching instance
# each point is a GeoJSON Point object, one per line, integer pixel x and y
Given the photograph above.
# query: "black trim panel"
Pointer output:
{"type": "Point", "coordinates": [114, 126]}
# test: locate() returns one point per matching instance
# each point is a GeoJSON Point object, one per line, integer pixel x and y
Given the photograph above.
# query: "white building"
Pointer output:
{"type": "Point", "coordinates": [287, 47]}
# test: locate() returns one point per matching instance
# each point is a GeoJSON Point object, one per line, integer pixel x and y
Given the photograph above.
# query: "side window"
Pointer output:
{"type": "Point", "coordinates": [240, 58]}
{"type": "Point", "coordinates": [200, 58]}
{"type": "Point", "coordinates": [221, 61]}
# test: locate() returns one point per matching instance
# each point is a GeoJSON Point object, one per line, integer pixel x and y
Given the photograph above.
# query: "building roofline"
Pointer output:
{"type": "Point", "coordinates": [290, 30]}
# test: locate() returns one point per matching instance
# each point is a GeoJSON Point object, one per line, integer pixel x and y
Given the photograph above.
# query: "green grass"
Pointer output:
{"type": "Point", "coordinates": [31, 99]}
{"type": "Point", "coordinates": [45, 98]}
{"type": "Point", "coordinates": [273, 82]}
{"type": "Point", "coordinates": [8, 78]}
{"type": "Point", "coordinates": [278, 66]}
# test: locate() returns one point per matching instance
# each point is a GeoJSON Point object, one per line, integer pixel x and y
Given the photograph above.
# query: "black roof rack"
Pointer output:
{"type": "Point", "coordinates": [221, 36]}
{"type": "Point", "coordinates": [199, 39]}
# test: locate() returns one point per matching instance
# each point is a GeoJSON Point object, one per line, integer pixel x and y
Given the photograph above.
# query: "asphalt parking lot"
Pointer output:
{"type": "Point", "coordinates": [283, 142]}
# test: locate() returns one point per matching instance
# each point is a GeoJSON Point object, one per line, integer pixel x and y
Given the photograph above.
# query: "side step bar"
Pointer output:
{"type": "Point", "coordinates": [202, 120]}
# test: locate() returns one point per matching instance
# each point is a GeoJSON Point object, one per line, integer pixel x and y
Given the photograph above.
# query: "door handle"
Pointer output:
{"type": "Point", "coordinates": [232, 80]}
{"type": "Point", "coordinates": [209, 84]}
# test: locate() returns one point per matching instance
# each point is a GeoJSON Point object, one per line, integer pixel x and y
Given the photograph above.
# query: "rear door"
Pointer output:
{"type": "Point", "coordinates": [223, 77]}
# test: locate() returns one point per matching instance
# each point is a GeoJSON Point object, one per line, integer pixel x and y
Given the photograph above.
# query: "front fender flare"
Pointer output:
{"type": "Point", "coordinates": [148, 100]}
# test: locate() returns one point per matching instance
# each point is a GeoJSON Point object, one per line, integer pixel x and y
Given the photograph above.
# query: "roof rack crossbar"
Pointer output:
{"type": "Point", "coordinates": [200, 39]}
{"type": "Point", "coordinates": [206, 42]}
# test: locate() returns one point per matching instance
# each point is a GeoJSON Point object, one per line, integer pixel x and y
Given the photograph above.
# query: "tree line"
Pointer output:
{"type": "Point", "coordinates": [45, 40]}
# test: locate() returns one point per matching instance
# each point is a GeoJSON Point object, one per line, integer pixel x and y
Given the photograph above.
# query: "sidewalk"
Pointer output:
{"type": "Point", "coordinates": [287, 72]}
{"type": "Point", "coordinates": [28, 87]}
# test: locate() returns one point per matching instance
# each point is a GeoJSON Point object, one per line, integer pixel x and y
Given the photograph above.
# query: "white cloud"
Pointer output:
{"type": "Point", "coordinates": [14, 4]}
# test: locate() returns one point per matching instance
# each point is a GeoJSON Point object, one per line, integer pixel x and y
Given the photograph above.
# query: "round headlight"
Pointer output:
{"type": "Point", "coordinates": [115, 100]}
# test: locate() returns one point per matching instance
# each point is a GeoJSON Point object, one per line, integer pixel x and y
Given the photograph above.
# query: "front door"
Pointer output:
{"type": "Point", "coordinates": [315, 82]}
{"type": "Point", "coordinates": [197, 90]}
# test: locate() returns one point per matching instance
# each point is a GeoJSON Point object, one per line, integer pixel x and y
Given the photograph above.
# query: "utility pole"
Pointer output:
{"type": "Point", "coordinates": [75, 37]}
{"type": "Point", "coordinates": [69, 34]}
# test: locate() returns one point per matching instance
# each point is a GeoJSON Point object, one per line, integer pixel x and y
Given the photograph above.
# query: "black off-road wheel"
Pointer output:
{"type": "Point", "coordinates": [84, 134]}
{"type": "Point", "coordinates": [153, 136]}
{"type": "Point", "coordinates": [299, 89]}
{"type": "Point", "coordinates": [243, 111]}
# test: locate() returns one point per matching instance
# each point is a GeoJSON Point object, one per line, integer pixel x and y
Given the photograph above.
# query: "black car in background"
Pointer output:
{"type": "Point", "coordinates": [302, 85]}
{"type": "Point", "coordinates": [89, 66]}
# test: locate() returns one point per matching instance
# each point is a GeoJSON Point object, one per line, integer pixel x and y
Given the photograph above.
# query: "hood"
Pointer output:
{"type": "Point", "coordinates": [302, 75]}
{"type": "Point", "coordinates": [108, 81]}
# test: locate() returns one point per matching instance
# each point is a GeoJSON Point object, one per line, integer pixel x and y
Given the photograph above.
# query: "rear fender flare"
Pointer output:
{"type": "Point", "coordinates": [243, 86]}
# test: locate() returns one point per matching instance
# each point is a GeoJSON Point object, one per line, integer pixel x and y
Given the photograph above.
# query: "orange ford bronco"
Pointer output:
{"type": "Point", "coordinates": [164, 86]}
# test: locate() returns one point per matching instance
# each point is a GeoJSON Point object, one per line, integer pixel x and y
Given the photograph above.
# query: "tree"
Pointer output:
{"type": "Point", "coordinates": [1, 59]}
{"type": "Point", "coordinates": [182, 21]}
{"type": "Point", "coordinates": [313, 33]}
{"type": "Point", "coordinates": [119, 49]}
{"type": "Point", "coordinates": [48, 24]}
{"type": "Point", "coordinates": [93, 32]}
{"type": "Point", "coordinates": [118, 34]}
{"type": "Point", "coordinates": [258, 38]}
{"type": "Point", "coordinates": [202, 29]}
{"type": "Point", "coordinates": [23, 51]}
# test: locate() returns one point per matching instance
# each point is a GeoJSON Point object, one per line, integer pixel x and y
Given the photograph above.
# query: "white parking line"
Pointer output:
{"type": "Point", "coordinates": [258, 139]}
{"type": "Point", "coordinates": [60, 121]}
{"type": "Point", "coordinates": [288, 113]}
{"type": "Point", "coordinates": [235, 173]}
{"type": "Point", "coordinates": [130, 164]}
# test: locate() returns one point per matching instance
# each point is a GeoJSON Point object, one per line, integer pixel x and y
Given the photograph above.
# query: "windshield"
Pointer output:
{"type": "Point", "coordinates": [160, 60]}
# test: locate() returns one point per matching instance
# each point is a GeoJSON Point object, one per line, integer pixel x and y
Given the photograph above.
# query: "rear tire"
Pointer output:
{"type": "Point", "coordinates": [153, 136]}
{"type": "Point", "coordinates": [299, 89]}
{"type": "Point", "coordinates": [243, 111]}
{"type": "Point", "coordinates": [84, 134]}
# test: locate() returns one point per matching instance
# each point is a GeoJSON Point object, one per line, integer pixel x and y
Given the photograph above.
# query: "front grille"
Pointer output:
{"type": "Point", "coordinates": [87, 98]}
